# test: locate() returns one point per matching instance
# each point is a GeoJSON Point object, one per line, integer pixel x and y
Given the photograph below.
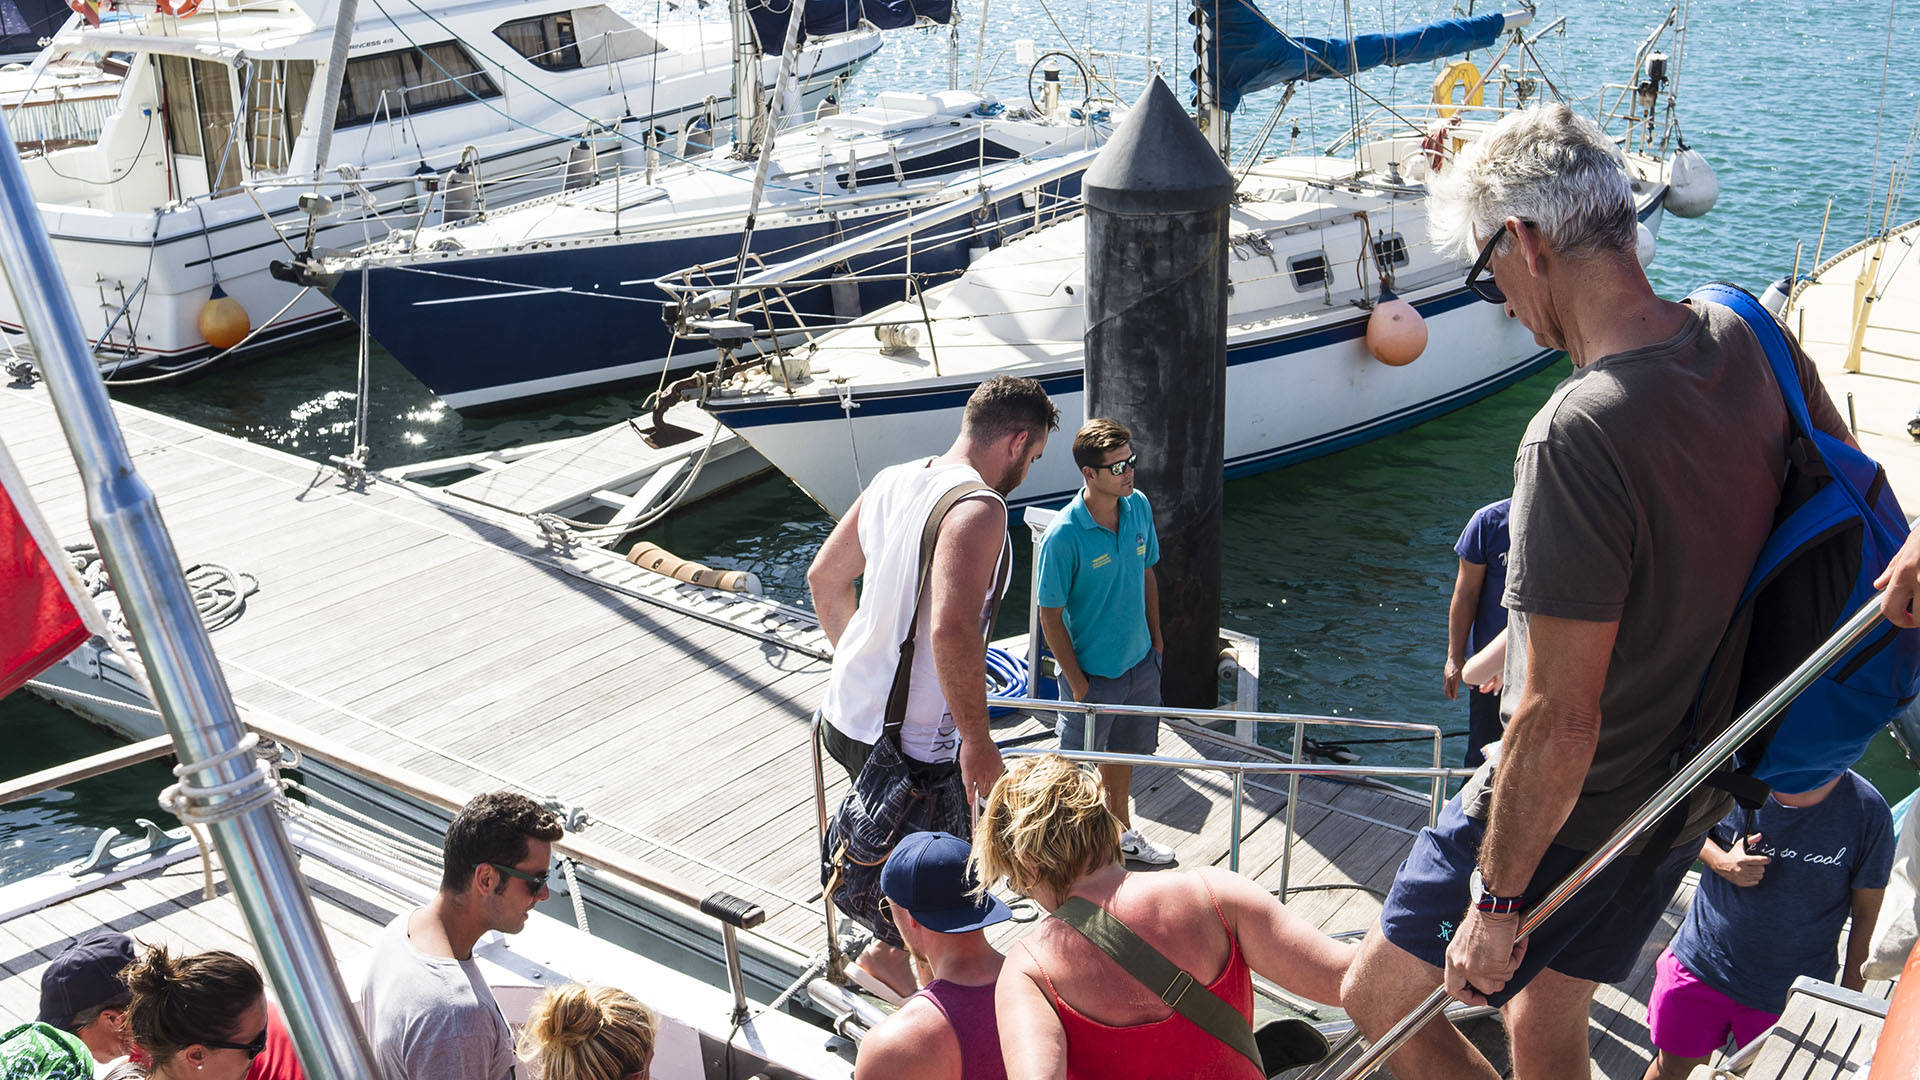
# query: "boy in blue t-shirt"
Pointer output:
{"type": "Point", "coordinates": [1476, 617]}
{"type": "Point", "coordinates": [1100, 612]}
{"type": "Point", "coordinates": [1771, 909]}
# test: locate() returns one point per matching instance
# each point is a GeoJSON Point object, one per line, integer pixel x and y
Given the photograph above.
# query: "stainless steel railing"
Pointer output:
{"type": "Point", "coordinates": [1436, 775]}
{"type": "Point", "coordinates": [1757, 716]}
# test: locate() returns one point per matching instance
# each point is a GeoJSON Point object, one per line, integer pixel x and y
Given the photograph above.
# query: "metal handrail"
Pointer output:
{"type": "Point", "coordinates": [1437, 776]}
{"type": "Point", "coordinates": [1758, 715]}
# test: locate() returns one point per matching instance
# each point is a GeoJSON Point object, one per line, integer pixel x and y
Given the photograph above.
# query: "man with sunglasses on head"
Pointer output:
{"type": "Point", "coordinates": [1643, 491]}
{"type": "Point", "coordinates": [1100, 611]}
{"type": "Point", "coordinates": [426, 1007]}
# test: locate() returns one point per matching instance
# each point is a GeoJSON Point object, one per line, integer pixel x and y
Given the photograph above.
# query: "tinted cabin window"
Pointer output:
{"type": "Point", "coordinates": [411, 81]}
{"type": "Point", "coordinates": [1389, 251]}
{"type": "Point", "coordinates": [1307, 270]}
{"type": "Point", "coordinates": [547, 40]}
{"type": "Point", "coordinates": [879, 170]}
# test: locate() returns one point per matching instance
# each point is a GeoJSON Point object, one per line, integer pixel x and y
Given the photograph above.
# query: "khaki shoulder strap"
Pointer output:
{"type": "Point", "coordinates": [1182, 992]}
{"type": "Point", "coordinates": [929, 537]}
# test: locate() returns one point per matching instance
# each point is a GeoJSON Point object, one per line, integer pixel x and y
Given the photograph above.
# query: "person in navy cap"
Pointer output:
{"type": "Point", "coordinates": [947, 1030]}
{"type": "Point", "coordinates": [82, 992]}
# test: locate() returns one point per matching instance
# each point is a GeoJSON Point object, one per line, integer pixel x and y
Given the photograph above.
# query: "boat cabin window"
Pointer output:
{"type": "Point", "coordinates": [197, 97]}
{"type": "Point", "coordinates": [546, 40]}
{"type": "Point", "coordinates": [276, 106]}
{"type": "Point", "coordinates": [1307, 270]}
{"type": "Point", "coordinates": [604, 37]}
{"type": "Point", "coordinates": [1389, 251]}
{"type": "Point", "coordinates": [879, 170]}
{"type": "Point", "coordinates": [410, 81]}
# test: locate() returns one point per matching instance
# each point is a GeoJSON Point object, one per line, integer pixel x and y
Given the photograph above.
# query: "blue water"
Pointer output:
{"type": "Point", "coordinates": [1341, 566]}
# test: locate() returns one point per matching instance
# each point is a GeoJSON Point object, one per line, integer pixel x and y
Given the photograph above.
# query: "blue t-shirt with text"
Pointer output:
{"type": "Point", "coordinates": [1099, 577]}
{"type": "Point", "coordinates": [1485, 541]}
{"type": "Point", "coordinates": [1749, 943]}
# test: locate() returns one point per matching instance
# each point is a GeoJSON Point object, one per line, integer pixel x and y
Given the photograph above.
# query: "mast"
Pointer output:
{"type": "Point", "coordinates": [343, 19]}
{"type": "Point", "coordinates": [1213, 119]}
{"type": "Point", "coordinates": [746, 75]}
{"type": "Point", "coordinates": [188, 686]}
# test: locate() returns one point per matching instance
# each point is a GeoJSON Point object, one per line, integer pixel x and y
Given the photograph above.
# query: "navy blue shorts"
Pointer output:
{"type": "Point", "coordinates": [1590, 936]}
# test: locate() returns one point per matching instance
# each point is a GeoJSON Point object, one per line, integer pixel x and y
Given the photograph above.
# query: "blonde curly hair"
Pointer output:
{"type": "Point", "coordinates": [589, 1033]}
{"type": "Point", "coordinates": [1046, 823]}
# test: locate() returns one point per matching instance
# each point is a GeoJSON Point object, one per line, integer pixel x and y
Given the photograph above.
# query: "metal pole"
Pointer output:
{"type": "Point", "coordinates": [735, 979]}
{"type": "Point", "coordinates": [1757, 716]}
{"type": "Point", "coordinates": [1293, 800]}
{"type": "Point", "coordinates": [1233, 848]}
{"type": "Point", "coordinates": [188, 686]}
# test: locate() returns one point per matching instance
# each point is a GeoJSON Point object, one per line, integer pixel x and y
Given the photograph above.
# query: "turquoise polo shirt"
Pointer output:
{"type": "Point", "coordinates": [1099, 576]}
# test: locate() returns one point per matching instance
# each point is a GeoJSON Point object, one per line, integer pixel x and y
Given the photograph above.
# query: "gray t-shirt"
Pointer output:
{"type": "Point", "coordinates": [432, 1017]}
{"type": "Point", "coordinates": [1642, 492]}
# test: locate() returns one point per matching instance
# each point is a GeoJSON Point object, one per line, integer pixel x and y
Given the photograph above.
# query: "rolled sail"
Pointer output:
{"type": "Point", "coordinates": [823, 17]}
{"type": "Point", "coordinates": [1251, 54]}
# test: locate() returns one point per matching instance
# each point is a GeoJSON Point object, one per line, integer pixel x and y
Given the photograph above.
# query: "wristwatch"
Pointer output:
{"type": "Point", "coordinates": [1488, 903]}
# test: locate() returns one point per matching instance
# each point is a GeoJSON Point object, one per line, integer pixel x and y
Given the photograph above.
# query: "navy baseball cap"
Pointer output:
{"type": "Point", "coordinates": [85, 975]}
{"type": "Point", "coordinates": [927, 875]}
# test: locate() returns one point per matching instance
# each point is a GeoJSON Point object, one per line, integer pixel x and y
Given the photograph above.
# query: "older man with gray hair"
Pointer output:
{"type": "Point", "coordinates": [1643, 490]}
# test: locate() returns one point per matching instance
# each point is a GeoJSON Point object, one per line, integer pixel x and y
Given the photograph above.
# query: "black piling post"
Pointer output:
{"type": "Point", "coordinates": [1157, 202]}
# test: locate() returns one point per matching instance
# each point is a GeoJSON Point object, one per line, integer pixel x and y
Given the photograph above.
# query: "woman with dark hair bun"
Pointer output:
{"type": "Point", "coordinates": [198, 1017]}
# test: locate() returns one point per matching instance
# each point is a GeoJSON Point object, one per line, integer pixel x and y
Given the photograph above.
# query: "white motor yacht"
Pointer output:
{"type": "Point", "coordinates": [165, 221]}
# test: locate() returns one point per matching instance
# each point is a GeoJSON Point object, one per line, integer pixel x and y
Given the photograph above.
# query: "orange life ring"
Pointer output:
{"type": "Point", "coordinates": [179, 9]}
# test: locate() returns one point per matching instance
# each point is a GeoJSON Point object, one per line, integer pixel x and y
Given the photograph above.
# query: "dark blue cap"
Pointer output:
{"type": "Point", "coordinates": [85, 975]}
{"type": "Point", "coordinates": [927, 875]}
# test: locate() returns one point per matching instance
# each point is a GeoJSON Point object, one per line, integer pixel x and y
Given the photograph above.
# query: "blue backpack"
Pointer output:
{"type": "Point", "coordinates": [1837, 527]}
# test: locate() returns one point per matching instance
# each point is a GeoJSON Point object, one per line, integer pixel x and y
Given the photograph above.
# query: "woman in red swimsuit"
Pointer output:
{"type": "Point", "coordinates": [1065, 1008]}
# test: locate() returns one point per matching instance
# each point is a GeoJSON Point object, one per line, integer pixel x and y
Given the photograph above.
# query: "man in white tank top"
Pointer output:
{"type": "Point", "coordinates": [1002, 434]}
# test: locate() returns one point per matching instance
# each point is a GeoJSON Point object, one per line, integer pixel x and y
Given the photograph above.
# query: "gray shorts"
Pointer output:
{"type": "Point", "coordinates": [1117, 734]}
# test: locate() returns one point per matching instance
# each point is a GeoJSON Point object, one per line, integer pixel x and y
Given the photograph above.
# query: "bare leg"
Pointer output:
{"type": "Point", "coordinates": [1118, 782]}
{"type": "Point", "coordinates": [1665, 1066]}
{"type": "Point", "coordinates": [1386, 983]}
{"type": "Point", "coordinates": [1547, 1028]}
{"type": "Point", "coordinates": [892, 966]}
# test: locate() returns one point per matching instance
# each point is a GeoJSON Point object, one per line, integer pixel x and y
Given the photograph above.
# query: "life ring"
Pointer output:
{"type": "Point", "coordinates": [1433, 146]}
{"type": "Point", "coordinates": [90, 9]}
{"type": "Point", "coordinates": [179, 9]}
{"type": "Point", "coordinates": [1457, 74]}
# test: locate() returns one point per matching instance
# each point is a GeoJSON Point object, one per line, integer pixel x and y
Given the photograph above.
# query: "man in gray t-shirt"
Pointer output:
{"type": "Point", "coordinates": [427, 1009]}
{"type": "Point", "coordinates": [1643, 490]}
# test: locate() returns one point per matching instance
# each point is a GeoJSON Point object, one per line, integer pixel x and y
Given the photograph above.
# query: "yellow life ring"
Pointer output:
{"type": "Point", "coordinates": [1457, 74]}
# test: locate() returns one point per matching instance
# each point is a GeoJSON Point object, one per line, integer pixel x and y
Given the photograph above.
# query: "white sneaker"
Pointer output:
{"type": "Point", "coordinates": [1140, 849]}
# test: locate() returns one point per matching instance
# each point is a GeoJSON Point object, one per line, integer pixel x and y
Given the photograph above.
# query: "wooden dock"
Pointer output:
{"type": "Point", "coordinates": [454, 639]}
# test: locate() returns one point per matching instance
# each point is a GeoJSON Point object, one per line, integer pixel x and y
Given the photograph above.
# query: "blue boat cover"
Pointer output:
{"type": "Point", "coordinates": [1252, 54]}
{"type": "Point", "coordinates": [839, 16]}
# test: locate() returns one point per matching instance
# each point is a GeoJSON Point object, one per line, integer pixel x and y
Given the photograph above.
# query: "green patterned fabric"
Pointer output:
{"type": "Point", "coordinates": [43, 1052]}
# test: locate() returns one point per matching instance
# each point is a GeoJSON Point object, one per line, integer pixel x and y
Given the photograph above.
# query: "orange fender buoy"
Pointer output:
{"type": "Point", "coordinates": [1396, 334]}
{"type": "Point", "coordinates": [223, 322]}
{"type": "Point", "coordinates": [1897, 1057]}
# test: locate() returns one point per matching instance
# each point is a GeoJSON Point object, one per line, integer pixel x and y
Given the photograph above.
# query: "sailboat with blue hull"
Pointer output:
{"type": "Point", "coordinates": [556, 295]}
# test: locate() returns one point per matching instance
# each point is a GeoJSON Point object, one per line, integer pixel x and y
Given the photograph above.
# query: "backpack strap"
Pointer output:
{"type": "Point", "coordinates": [1773, 342]}
{"type": "Point", "coordinates": [929, 537]}
{"type": "Point", "coordinates": [1154, 971]}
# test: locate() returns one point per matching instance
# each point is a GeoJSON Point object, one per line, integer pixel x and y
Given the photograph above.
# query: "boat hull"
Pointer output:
{"type": "Point", "coordinates": [490, 333]}
{"type": "Point", "coordinates": [1290, 397]}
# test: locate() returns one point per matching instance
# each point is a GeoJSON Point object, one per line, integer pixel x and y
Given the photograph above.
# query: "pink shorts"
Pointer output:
{"type": "Point", "coordinates": [1689, 1019]}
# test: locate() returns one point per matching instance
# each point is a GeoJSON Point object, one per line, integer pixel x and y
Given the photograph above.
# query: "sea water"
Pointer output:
{"type": "Point", "coordinates": [1342, 566]}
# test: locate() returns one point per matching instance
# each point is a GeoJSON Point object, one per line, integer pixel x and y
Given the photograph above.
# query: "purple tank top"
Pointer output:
{"type": "Point", "coordinates": [969, 1011]}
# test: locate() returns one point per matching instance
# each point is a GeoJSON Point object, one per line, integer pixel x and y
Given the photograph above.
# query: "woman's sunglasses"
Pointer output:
{"type": "Point", "coordinates": [253, 1049]}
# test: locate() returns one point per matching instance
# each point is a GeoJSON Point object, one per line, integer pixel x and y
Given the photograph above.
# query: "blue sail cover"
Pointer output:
{"type": "Point", "coordinates": [1252, 54]}
{"type": "Point", "coordinates": [823, 17]}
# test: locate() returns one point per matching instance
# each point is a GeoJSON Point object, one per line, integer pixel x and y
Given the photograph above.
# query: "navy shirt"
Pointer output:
{"type": "Point", "coordinates": [1485, 541]}
{"type": "Point", "coordinates": [1750, 943]}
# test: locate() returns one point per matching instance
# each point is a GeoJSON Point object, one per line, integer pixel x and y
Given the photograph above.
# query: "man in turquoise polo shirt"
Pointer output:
{"type": "Point", "coordinates": [1100, 612]}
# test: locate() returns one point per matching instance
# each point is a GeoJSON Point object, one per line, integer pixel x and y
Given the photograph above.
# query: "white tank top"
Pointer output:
{"type": "Point", "coordinates": [893, 513]}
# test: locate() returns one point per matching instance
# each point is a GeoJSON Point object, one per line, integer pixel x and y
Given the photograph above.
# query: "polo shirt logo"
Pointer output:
{"type": "Point", "coordinates": [1139, 543]}
{"type": "Point", "coordinates": [1101, 560]}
